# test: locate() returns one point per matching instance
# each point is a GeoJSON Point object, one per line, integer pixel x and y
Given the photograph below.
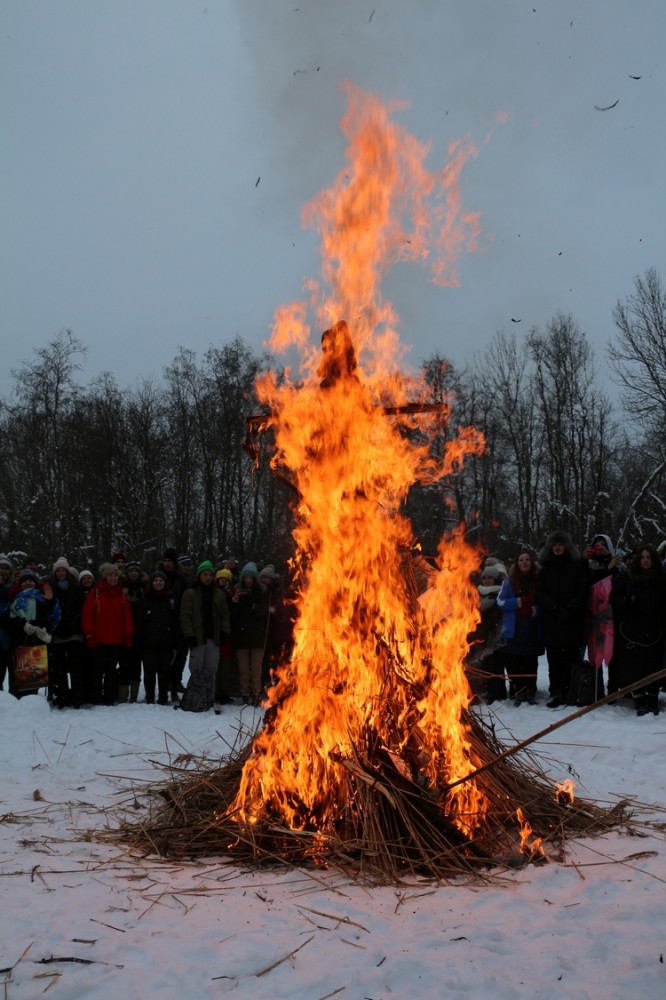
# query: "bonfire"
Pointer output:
{"type": "Point", "coordinates": [370, 757]}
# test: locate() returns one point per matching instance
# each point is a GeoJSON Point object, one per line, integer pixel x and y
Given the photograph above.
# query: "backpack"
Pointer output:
{"type": "Point", "coordinates": [586, 685]}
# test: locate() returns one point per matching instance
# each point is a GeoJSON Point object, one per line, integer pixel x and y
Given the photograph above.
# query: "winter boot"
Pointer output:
{"type": "Point", "coordinates": [123, 693]}
{"type": "Point", "coordinates": [648, 704]}
{"type": "Point", "coordinates": [134, 691]}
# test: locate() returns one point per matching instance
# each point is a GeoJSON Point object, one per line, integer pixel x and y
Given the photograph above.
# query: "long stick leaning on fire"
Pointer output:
{"type": "Point", "coordinates": [338, 362]}
{"type": "Point", "coordinates": [614, 696]}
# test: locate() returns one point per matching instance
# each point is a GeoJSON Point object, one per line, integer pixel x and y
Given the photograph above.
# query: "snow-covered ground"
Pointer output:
{"type": "Point", "coordinates": [82, 920]}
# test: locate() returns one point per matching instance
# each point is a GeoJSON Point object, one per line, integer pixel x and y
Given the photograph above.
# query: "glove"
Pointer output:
{"type": "Point", "coordinates": [191, 641]}
{"type": "Point", "coordinates": [39, 633]}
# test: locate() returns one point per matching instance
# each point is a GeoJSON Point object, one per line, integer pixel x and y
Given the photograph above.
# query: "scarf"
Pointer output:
{"type": "Point", "coordinates": [25, 606]}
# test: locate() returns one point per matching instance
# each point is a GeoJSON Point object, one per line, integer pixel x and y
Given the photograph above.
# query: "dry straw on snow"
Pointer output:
{"type": "Point", "coordinates": [390, 825]}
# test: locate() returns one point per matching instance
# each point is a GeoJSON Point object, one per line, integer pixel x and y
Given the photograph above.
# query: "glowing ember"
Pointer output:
{"type": "Point", "coordinates": [534, 849]}
{"type": "Point", "coordinates": [564, 791]}
{"type": "Point", "coordinates": [372, 665]}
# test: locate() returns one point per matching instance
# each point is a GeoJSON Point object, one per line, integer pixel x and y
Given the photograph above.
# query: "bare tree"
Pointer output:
{"type": "Point", "coordinates": [47, 393]}
{"type": "Point", "coordinates": [574, 419]}
{"type": "Point", "coordinates": [506, 375]}
{"type": "Point", "coordinates": [638, 352]}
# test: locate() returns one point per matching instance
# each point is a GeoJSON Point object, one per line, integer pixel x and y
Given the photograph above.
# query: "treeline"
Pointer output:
{"type": "Point", "coordinates": [88, 469]}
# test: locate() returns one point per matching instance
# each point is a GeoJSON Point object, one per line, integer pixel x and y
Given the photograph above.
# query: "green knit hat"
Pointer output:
{"type": "Point", "coordinates": [205, 565]}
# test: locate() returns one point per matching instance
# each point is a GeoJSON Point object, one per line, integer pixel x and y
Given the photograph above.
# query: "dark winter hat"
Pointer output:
{"type": "Point", "coordinates": [185, 561]}
{"type": "Point", "coordinates": [27, 574]}
{"type": "Point", "coordinates": [158, 573]}
{"type": "Point", "coordinates": [204, 566]}
{"type": "Point", "coordinates": [117, 557]}
{"type": "Point", "coordinates": [133, 565]}
{"type": "Point", "coordinates": [269, 572]}
{"type": "Point", "coordinates": [171, 554]}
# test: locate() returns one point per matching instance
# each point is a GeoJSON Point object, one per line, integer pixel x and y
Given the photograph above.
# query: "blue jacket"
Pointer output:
{"type": "Point", "coordinates": [522, 635]}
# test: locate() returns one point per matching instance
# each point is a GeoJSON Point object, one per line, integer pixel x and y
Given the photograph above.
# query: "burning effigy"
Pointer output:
{"type": "Point", "coordinates": [370, 757]}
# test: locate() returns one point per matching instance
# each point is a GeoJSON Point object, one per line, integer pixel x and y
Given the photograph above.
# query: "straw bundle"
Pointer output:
{"type": "Point", "coordinates": [390, 826]}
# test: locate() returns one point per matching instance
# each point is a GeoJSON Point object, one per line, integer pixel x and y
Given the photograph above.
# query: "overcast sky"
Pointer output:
{"type": "Point", "coordinates": [134, 133]}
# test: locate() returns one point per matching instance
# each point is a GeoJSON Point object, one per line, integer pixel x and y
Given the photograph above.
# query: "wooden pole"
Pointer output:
{"type": "Point", "coordinates": [644, 682]}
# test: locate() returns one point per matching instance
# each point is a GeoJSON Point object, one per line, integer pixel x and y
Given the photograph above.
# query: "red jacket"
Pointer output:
{"type": "Point", "coordinates": [106, 619]}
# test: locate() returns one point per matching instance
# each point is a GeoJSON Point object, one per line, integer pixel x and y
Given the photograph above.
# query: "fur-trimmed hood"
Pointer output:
{"type": "Point", "coordinates": [546, 554]}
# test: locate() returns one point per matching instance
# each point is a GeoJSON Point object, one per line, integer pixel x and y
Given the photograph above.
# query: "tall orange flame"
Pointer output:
{"type": "Point", "coordinates": [370, 655]}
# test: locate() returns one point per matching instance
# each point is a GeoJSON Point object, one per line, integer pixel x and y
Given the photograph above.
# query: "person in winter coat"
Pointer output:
{"type": "Point", "coordinates": [273, 648]}
{"type": "Point", "coordinates": [250, 618]}
{"type": "Point", "coordinates": [86, 583]}
{"type": "Point", "coordinates": [204, 622]}
{"type": "Point", "coordinates": [158, 625]}
{"type": "Point", "coordinates": [34, 615]}
{"type": "Point", "coordinates": [603, 565]}
{"type": "Point", "coordinates": [177, 582]}
{"type": "Point", "coordinates": [489, 676]}
{"type": "Point", "coordinates": [6, 572]}
{"type": "Point", "coordinates": [135, 585]}
{"type": "Point", "coordinates": [282, 610]}
{"type": "Point", "coordinates": [109, 629]}
{"type": "Point", "coordinates": [226, 679]}
{"type": "Point", "coordinates": [521, 627]}
{"type": "Point", "coordinates": [66, 650]}
{"type": "Point", "coordinates": [119, 560]}
{"type": "Point", "coordinates": [562, 593]}
{"type": "Point", "coordinates": [638, 598]}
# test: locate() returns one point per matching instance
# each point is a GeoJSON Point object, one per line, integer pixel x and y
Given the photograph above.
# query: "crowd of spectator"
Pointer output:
{"type": "Point", "coordinates": [93, 640]}
{"type": "Point", "coordinates": [97, 638]}
{"type": "Point", "coordinates": [585, 611]}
